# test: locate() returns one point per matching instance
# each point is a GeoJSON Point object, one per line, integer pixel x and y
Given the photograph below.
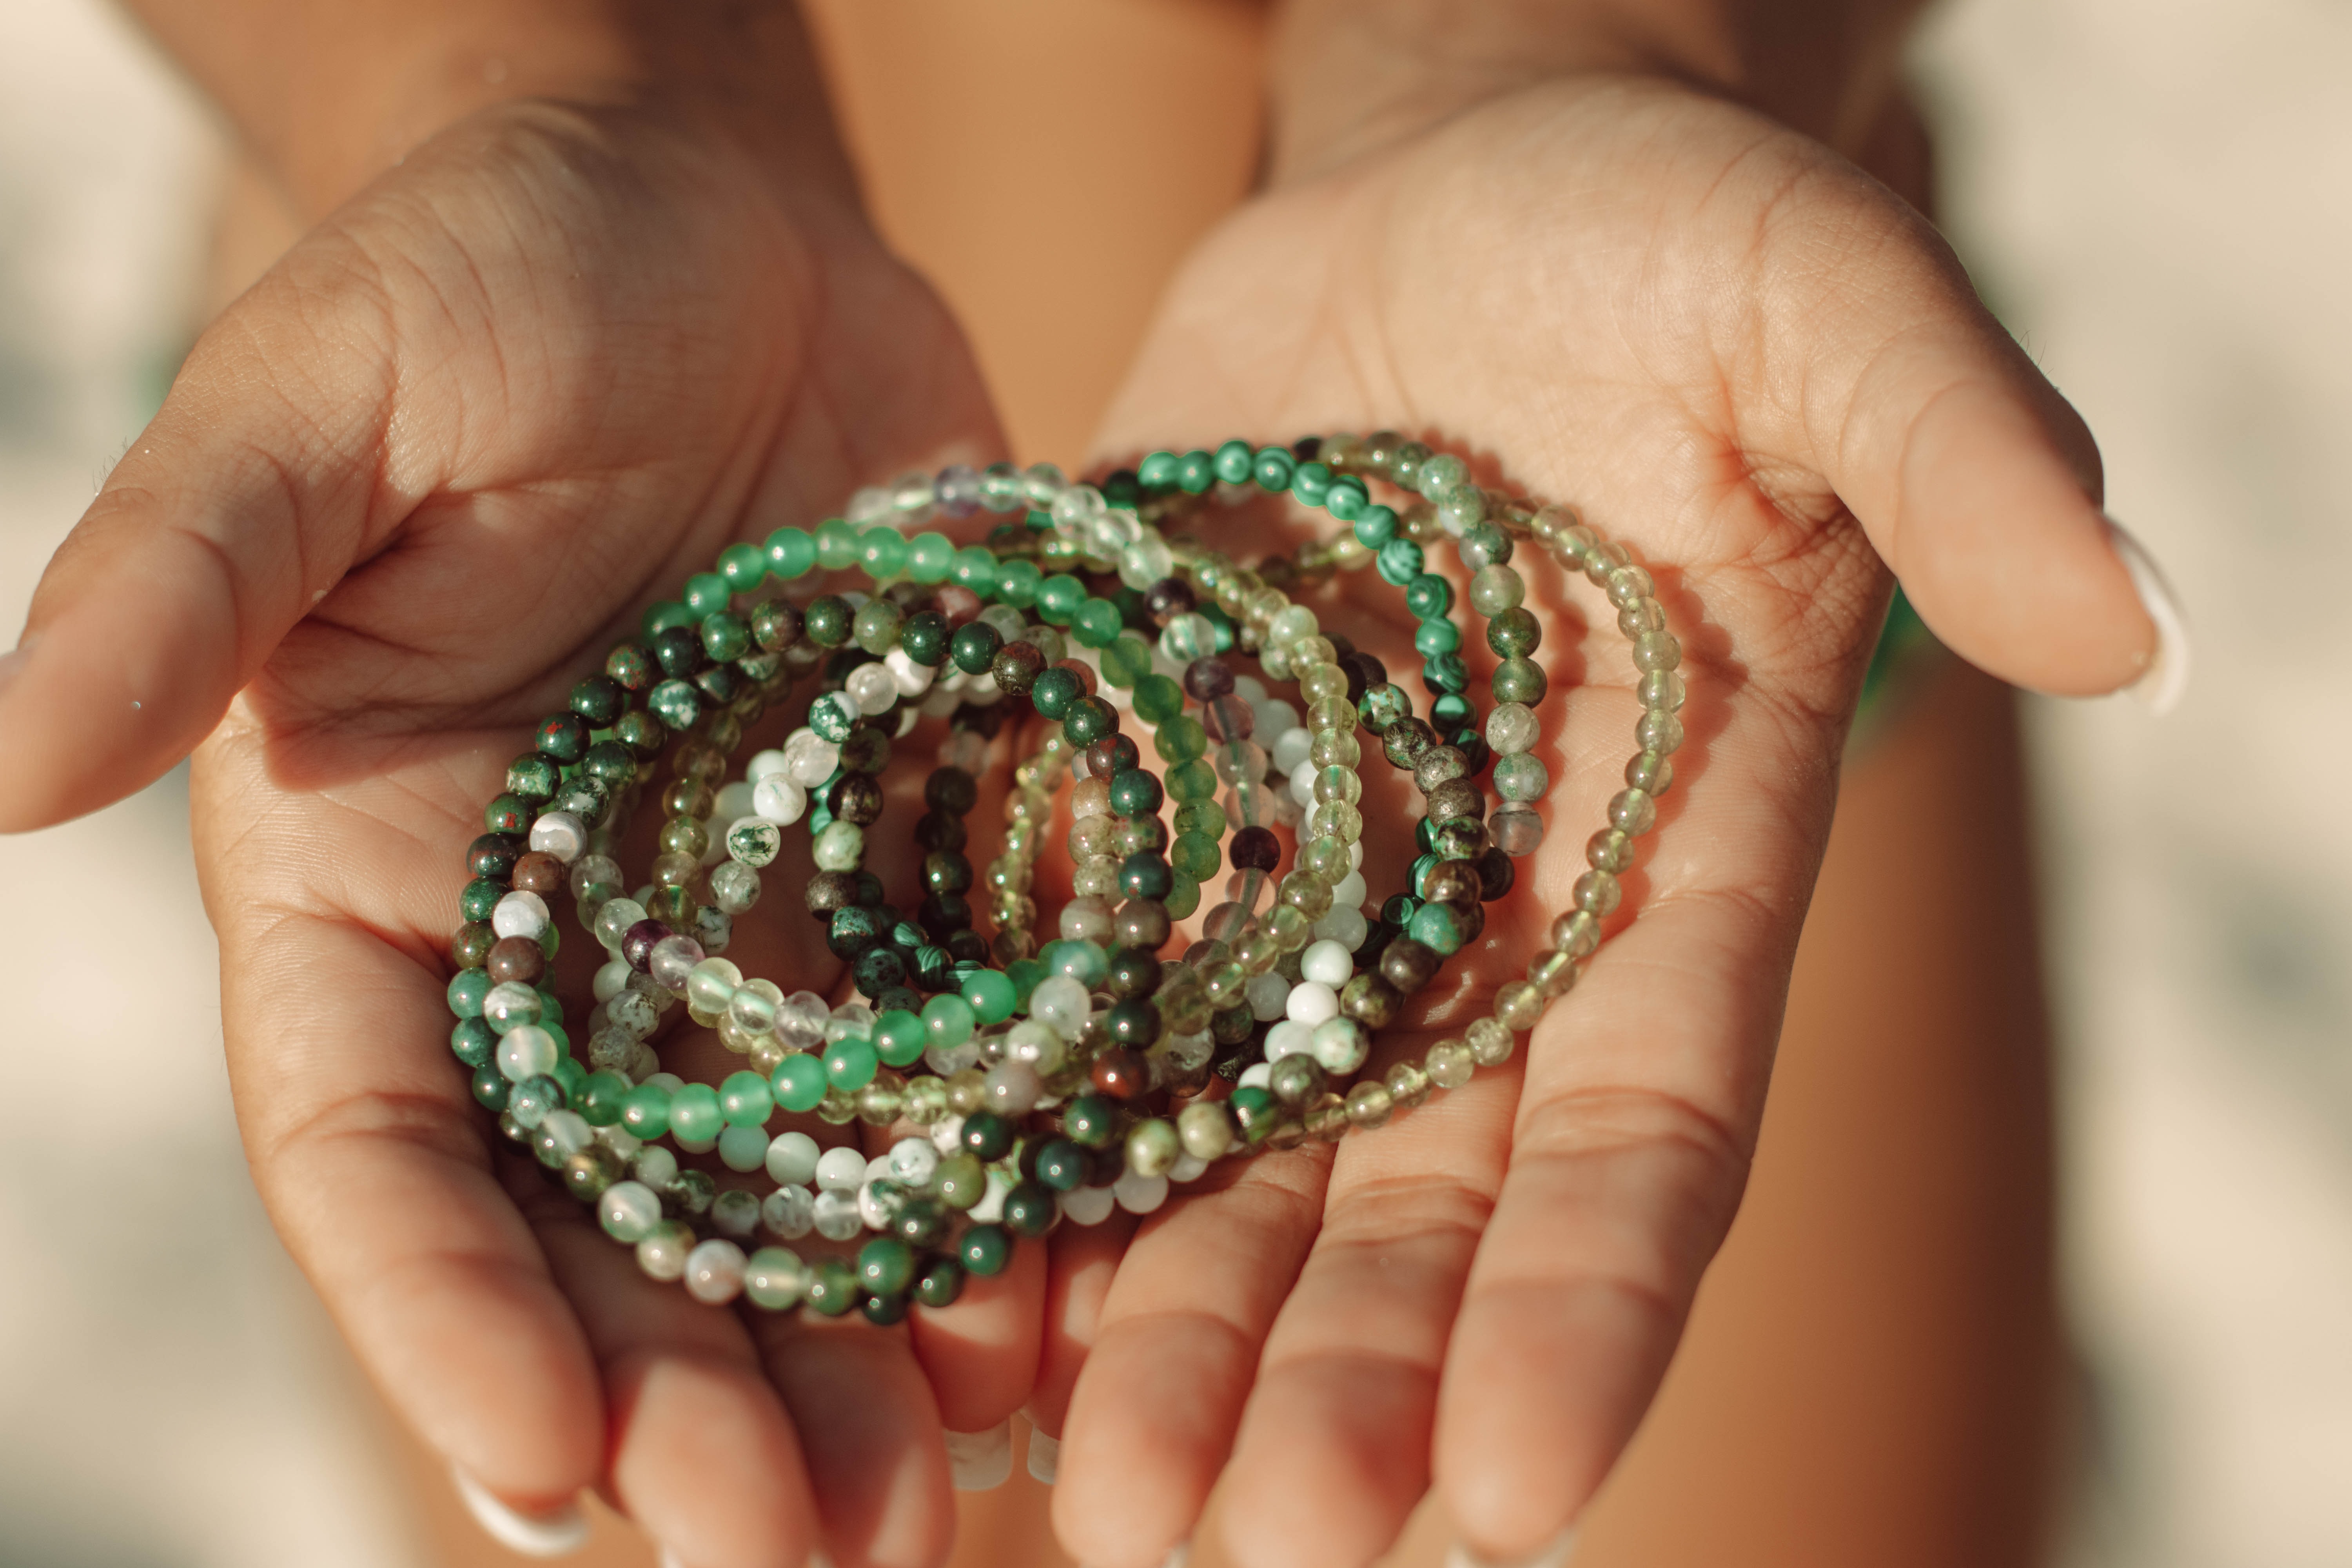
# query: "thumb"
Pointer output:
{"type": "Point", "coordinates": [238, 507]}
{"type": "Point", "coordinates": [1978, 484]}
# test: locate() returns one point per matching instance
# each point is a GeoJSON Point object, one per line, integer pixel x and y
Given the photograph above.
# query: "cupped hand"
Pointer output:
{"type": "Point", "coordinates": [402, 495]}
{"type": "Point", "coordinates": [1769, 377]}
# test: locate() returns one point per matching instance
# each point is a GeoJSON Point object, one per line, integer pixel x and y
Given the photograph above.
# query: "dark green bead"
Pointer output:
{"type": "Point", "coordinates": [474, 1042]}
{"type": "Point", "coordinates": [1382, 706]}
{"type": "Point", "coordinates": [832, 1287]}
{"type": "Point", "coordinates": [631, 667]}
{"type": "Point", "coordinates": [602, 1096]}
{"type": "Point", "coordinates": [719, 685]}
{"type": "Point", "coordinates": [1311, 482]}
{"type": "Point", "coordinates": [599, 700]}
{"type": "Point", "coordinates": [827, 620]}
{"type": "Point", "coordinates": [680, 653]}
{"type": "Point", "coordinates": [1446, 675]}
{"type": "Point", "coordinates": [1029, 1209]}
{"type": "Point", "coordinates": [562, 736]}
{"type": "Point", "coordinates": [1134, 1023]}
{"type": "Point", "coordinates": [1195, 472]}
{"type": "Point", "coordinates": [1061, 1165]}
{"type": "Point", "coordinates": [974, 646]}
{"type": "Point", "coordinates": [876, 624]}
{"type": "Point", "coordinates": [987, 1135]}
{"type": "Point", "coordinates": [705, 592]}
{"type": "Point", "coordinates": [1450, 712]}
{"type": "Point", "coordinates": [1519, 680]}
{"type": "Point", "coordinates": [480, 897]}
{"type": "Point", "coordinates": [885, 1266]}
{"type": "Point", "coordinates": [883, 1312]}
{"type": "Point", "coordinates": [939, 1283]}
{"type": "Point", "coordinates": [1433, 637]}
{"type": "Point", "coordinates": [726, 636]}
{"type": "Point", "coordinates": [1514, 634]}
{"type": "Point", "coordinates": [1399, 562]}
{"type": "Point", "coordinates": [1222, 624]}
{"type": "Point", "coordinates": [1089, 1121]}
{"type": "Point", "coordinates": [1134, 793]}
{"type": "Point", "coordinates": [640, 734]}
{"type": "Point", "coordinates": [662, 618]}
{"type": "Point", "coordinates": [494, 854]}
{"type": "Point", "coordinates": [468, 987]}
{"type": "Point", "coordinates": [532, 777]}
{"type": "Point", "coordinates": [491, 1089]}
{"type": "Point", "coordinates": [790, 552]}
{"type": "Point", "coordinates": [1157, 700]}
{"type": "Point", "coordinates": [1375, 526]}
{"type": "Point", "coordinates": [1053, 692]}
{"type": "Point", "coordinates": [985, 1250]}
{"type": "Point", "coordinates": [925, 638]}
{"type": "Point", "coordinates": [1058, 598]}
{"type": "Point", "coordinates": [1089, 719]}
{"type": "Point", "coordinates": [1146, 876]}
{"type": "Point", "coordinates": [508, 814]}
{"type": "Point", "coordinates": [1428, 597]}
{"type": "Point", "coordinates": [1347, 498]}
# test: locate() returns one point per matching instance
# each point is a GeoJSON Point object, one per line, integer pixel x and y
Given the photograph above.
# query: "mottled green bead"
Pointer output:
{"type": "Point", "coordinates": [1017, 583]}
{"type": "Point", "coordinates": [1513, 633]}
{"type": "Point", "coordinates": [1205, 818]}
{"type": "Point", "coordinates": [939, 1282]}
{"type": "Point", "coordinates": [1191, 781]}
{"type": "Point", "coordinates": [885, 1266]}
{"type": "Point", "coordinates": [602, 1098]}
{"type": "Point", "coordinates": [1030, 1209]}
{"type": "Point", "coordinates": [630, 667]}
{"type": "Point", "coordinates": [507, 814]}
{"type": "Point", "coordinates": [826, 621]}
{"type": "Point", "coordinates": [1181, 738]}
{"type": "Point", "coordinates": [875, 626]}
{"type": "Point", "coordinates": [1399, 562]}
{"type": "Point", "coordinates": [1125, 660]}
{"type": "Point", "coordinates": [1061, 1165]}
{"type": "Point", "coordinates": [790, 553]}
{"type": "Point", "coordinates": [1437, 927]}
{"type": "Point", "coordinates": [1519, 776]}
{"type": "Point", "coordinates": [833, 1288]}
{"type": "Point", "coordinates": [1053, 692]}
{"type": "Point", "coordinates": [985, 1250]}
{"type": "Point", "coordinates": [1274, 468]}
{"type": "Point", "coordinates": [1157, 700]}
{"type": "Point", "coordinates": [480, 898]}
{"type": "Point", "coordinates": [1519, 679]}
{"type": "Point", "coordinates": [474, 1042]}
{"type": "Point", "coordinates": [726, 636]}
{"type": "Point", "coordinates": [974, 647]}
{"type": "Point", "coordinates": [1089, 720]}
{"type": "Point", "coordinates": [677, 703]}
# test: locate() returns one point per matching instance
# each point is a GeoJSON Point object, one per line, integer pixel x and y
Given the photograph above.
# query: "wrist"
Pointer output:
{"type": "Point", "coordinates": [1350, 75]}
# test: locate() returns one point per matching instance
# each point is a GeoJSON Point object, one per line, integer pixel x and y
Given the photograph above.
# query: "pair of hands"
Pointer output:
{"type": "Point", "coordinates": [410, 485]}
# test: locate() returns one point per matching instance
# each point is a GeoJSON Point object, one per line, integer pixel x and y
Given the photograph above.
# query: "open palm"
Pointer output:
{"type": "Point", "coordinates": [1751, 364]}
{"type": "Point", "coordinates": [403, 495]}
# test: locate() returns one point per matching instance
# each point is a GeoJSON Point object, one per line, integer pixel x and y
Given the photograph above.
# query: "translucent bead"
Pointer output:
{"type": "Point", "coordinates": [1521, 776]}
{"type": "Point", "coordinates": [1368, 1106]}
{"type": "Point", "coordinates": [527, 1051]}
{"type": "Point", "coordinates": [1512, 727]}
{"type": "Point", "coordinates": [789, 1212]}
{"type": "Point", "coordinates": [559, 834]}
{"type": "Point", "coordinates": [521, 913]}
{"type": "Point", "coordinates": [672, 961]}
{"type": "Point", "coordinates": [1061, 1003]}
{"type": "Point", "coordinates": [835, 1216]}
{"type": "Point", "coordinates": [1147, 561]}
{"type": "Point", "coordinates": [1658, 732]}
{"type": "Point", "coordinates": [743, 1149]}
{"type": "Point", "coordinates": [872, 687]}
{"type": "Point", "coordinates": [1632, 811]}
{"type": "Point", "coordinates": [1345, 925]}
{"type": "Point", "coordinates": [1188, 636]}
{"type": "Point", "coordinates": [1491, 1043]}
{"type": "Point", "coordinates": [775, 1277]}
{"type": "Point", "coordinates": [1267, 995]}
{"type": "Point", "coordinates": [1408, 1086]}
{"type": "Point", "coordinates": [1520, 1006]}
{"type": "Point", "coordinates": [1516, 829]}
{"type": "Point", "coordinates": [1656, 650]}
{"type": "Point", "coordinates": [628, 1211]}
{"type": "Point", "coordinates": [1339, 1045]}
{"type": "Point", "coordinates": [710, 986]}
{"type": "Point", "coordinates": [663, 1250]}
{"type": "Point", "coordinates": [1336, 748]}
{"type": "Point", "coordinates": [810, 759]}
{"type": "Point", "coordinates": [1012, 1088]}
{"type": "Point", "coordinates": [1596, 893]}
{"type": "Point", "coordinates": [1449, 1064]}
{"type": "Point", "coordinates": [1493, 589]}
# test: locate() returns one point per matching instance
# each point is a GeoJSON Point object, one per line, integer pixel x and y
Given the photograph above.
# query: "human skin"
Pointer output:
{"type": "Point", "coordinates": [340, 433]}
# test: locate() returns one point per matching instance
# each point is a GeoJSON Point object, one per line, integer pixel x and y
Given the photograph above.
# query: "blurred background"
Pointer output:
{"type": "Point", "coordinates": [2154, 196]}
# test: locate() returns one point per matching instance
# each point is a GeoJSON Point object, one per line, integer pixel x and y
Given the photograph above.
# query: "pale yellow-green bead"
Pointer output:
{"type": "Point", "coordinates": [1449, 1063]}
{"type": "Point", "coordinates": [1552, 972]}
{"type": "Point", "coordinates": [1491, 1044]}
{"type": "Point", "coordinates": [1408, 1086]}
{"type": "Point", "coordinates": [1206, 1130]}
{"type": "Point", "coordinates": [1632, 811]}
{"type": "Point", "coordinates": [1369, 1105]}
{"type": "Point", "coordinates": [1596, 893]}
{"type": "Point", "coordinates": [1610, 849]}
{"type": "Point", "coordinates": [1520, 1006]}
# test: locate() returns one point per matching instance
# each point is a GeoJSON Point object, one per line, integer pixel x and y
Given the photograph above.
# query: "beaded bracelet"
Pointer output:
{"type": "Point", "coordinates": [1148, 1144]}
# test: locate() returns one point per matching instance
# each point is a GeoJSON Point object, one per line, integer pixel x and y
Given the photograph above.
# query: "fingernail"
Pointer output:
{"type": "Point", "coordinates": [981, 1462]}
{"type": "Point", "coordinates": [1555, 1555]}
{"type": "Point", "coordinates": [671, 1559]}
{"type": "Point", "coordinates": [1179, 1556]}
{"type": "Point", "coordinates": [2159, 689]}
{"type": "Point", "coordinates": [1045, 1455]}
{"type": "Point", "coordinates": [556, 1535]}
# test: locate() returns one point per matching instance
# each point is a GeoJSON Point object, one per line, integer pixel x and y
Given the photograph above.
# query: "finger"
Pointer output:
{"type": "Point", "coordinates": [1083, 1260]}
{"type": "Point", "coordinates": [871, 1433]}
{"type": "Point", "coordinates": [1152, 1415]}
{"type": "Point", "coordinates": [249, 494]}
{"type": "Point", "coordinates": [1334, 1450]}
{"type": "Point", "coordinates": [703, 1456]}
{"type": "Point", "coordinates": [981, 1354]}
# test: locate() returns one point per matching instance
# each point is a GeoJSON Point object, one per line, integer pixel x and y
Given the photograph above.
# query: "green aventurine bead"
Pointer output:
{"type": "Point", "coordinates": [991, 994]}
{"type": "Point", "coordinates": [939, 1283]}
{"type": "Point", "coordinates": [1205, 818]}
{"type": "Point", "coordinates": [706, 592]}
{"type": "Point", "coordinates": [1124, 661]}
{"type": "Point", "coordinates": [644, 1111]}
{"type": "Point", "coordinates": [694, 1113]}
{"type": "Point", "coordinates": [950, 1020]}
{"type": "Point", "coordinates": [985, 1250]}
{"type": "Point", "coordinates": [882, 551]}
{"type": "Point", "coordinates": [467, 989]}
{"type": "Point", "coordinates": [745, 567]}
{"type": "Point", "coordinates": [602, 1098]}
{"type": "Point", "coordinates": [962, 1180]}
{"type": "Point", "coordinates": [899, 1037]}
{"type": "Point", "coordinates": [790, 553]}
{"type": "Point", "coordinates": [474, 1042]}
{"type": "Point", "coordinates": [930, 557]}
{"type": "Point", "coordinates": [1097, 624]}
{"type": "Point", "coordinates": [885, 1266]}
{"type": "Point", "coordinates": [850, 1064]}
{"type": "Point", "coordinates": [976, 569]}
{"type": "Point", "coordinates": [1180, 738]}
{"type": "Point", "coordinates": [1191, 781]}
{"type": "Point", "coordinates": [837, 544]}
{"type": "Point", "coordinates": [1058, 598]}
{"type": "Point", "coordinates": [1157, 700]}
{"type": "Point", "coordinates": [832, 1287]}
{"type": "Point", "coordinates": [659, 618]}
{"type": "Point", "coordinates": [1195, 855]}
{"type": "Point", "coordinates": [745, 1100]}
{"type": "Point", "coordinates": [1017, 583]}
{"type": "Point", "coordinates": [798, 1083]}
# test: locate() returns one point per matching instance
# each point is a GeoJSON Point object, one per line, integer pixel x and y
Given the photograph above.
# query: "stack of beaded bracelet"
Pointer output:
{"type": "Point", "coordinates": [1096, 1097]}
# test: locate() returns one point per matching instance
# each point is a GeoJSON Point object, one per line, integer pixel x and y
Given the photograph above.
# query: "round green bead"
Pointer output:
{"type": "Point", "coordinates": [838, 544]}
{"type": "Point", "coordinates": [1519, 680]}
{"type": "Point", "coordinates": [930, 557]}
{"type": "Point", "coordinates": [1089, 719]}
{"type": "Point", "coordinates": [745, 567]}
{"type": "Point", "coordinates": [950, 1020]}
{"type": "Point", "coordinates": [1097, 624]}
{"type": "Point", "coordinates": [1061, 1165]}
{"type": "Point", "coordinates": [875, 626]}
{"type": "Point", "coordinates": [644, 1111]}
{"type": "Point", "coordinates": [705, 592]}
{"type": "Point", "coordinates": [1181, 738]}
{"type": "Point", "coordinates": [850, 1064]}
{"type": "Point", "coordinates": [467, 989]}
{"type": "Point", "coordinates": [1521, 776]}
{"type": "Point", "coordinates": [1436, 927]}
{"type": "Point", "coordinates": [1053, 692]}
{"type": "Point", "coordinates": [985, 1250]}
{"type": "Point", "coordinates": [790, 553]}
{"type": "Point", "coordinates": [899, 1037]}
{"type": "Point", "coordinates": [602, 1098]}
{"type": "Point", "coordinates": [940, 1282]}
{"type": "Point", "coordinates": [491, 1089]}
{"type": "Point", "coordinates": [987, 1136]}
{"type": "Point", "coordinates": [1375, 526]}
{"type": "Point", "coordinates": [1030, 1209]}
{"type": "Point", "coordinates": [508, 814]}
{"type": "Point", "coordinates": [1195, 855]}
{"type": "Point", "coordinates": [1399, 562]}
{"type": "Point", "coordinates": [1235, 462]}
{"type": "Point", "coordinates": [1158, 700]}
{"type": "Point", "coordinates": [1192, 780]}
{"type": "Point", "coordinates": [925, 637]}
{"type": "Point", "coordinates": [1433, 637]}
{"type": "Point", "coordinates": [832, 1287]}
{"type": "Point", "coordinates": [1274, 468]}
{"type": "Point", "coordinates": [1017, 583]}
{"type": "Point", "coordinates": [1124, 661]}
{"type": "Point", "coordinates": [659, 618]}
{"type": "Point", "coordinates": [1134, 793]}
{"type": "Point", "coordinates": [1428, 597]}
{"type": "Point", "coordinates": [976, 569]}
{"type": "Point", "coordinates": [885, 1266]}
{"type": "Point", "coordinates": [1513, 633]}
{"type": "Point", "coordinates": [1090, 1122]}
{"type": "Point", "coordinates": [882, 551]}
{"type": "Point", "coordinates": [1157, 470]}
{"type": "Point", "coordinates": [991, 994]}
{"type": "Point", "coordinates": [694, 1113]}
{"type": "Point", "coordinates": [798, 1083]}
{"type": "Point", "coordinates": [745, 1100]}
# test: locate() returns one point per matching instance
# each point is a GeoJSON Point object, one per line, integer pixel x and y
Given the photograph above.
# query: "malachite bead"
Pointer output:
{"type": "Point", "coordinates": [1433, 637]}
{"type": "Point", "coordinates": [1273, 469]}
{"type": "Point", "coordinates": [850, 1064]}
{"type": "Point", "coordinates": [799, 1083]}
{"type": "Point", "coordinates": [790, 553]}
{"type": "Point", "coordinates": [1399, 562]}
{"type": "Point", "coordinates": [1157, 470]}
{"type": "Point", "coordinates": [1375, 525]}
{"type": "Point", "coordinates": [1429, 595]}
{"type": "Point", "coordinates": [985, 1249]}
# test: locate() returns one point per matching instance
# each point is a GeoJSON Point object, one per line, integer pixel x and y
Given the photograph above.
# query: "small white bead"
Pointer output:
{"type": "Point", "coordinates": [762, 763]}
{"type": "Point", "coordinates": [612, 979]}
{"type": "Point", "coordinates": [913, 679]}
{"type": "Point", "coordinates": [778, 799]}
{"type": "Point", "coordinates": [1088, 1205]}
{"type": "Point", "coordinates": [1288, 1038]}
{"type": "Point", "coordinates": [1257, 1075]}
{"type": "Point", "coordinates": [1311, 1002]}
{"type": "Point", "coordinates": [792, 1159]}
{"type": "Point", "coordinates": [520, 913]}
{"type": "Point", "coordinates": [835, 1214]}
{"type": "Point", "coordinates": [841, 1171]}
{"type": "Point", "coordinates": [1292, 747]}
{"type": "Point", "coordinates": [1249, 688]}
{"type": "Point", "coordinates": [947, 1136]}
{"type": "Point", "coordinates": [1140, 1195]}
{"type": "Point", "coordinates": [1302, 784]}
{"type": "Point", "coordinates": [734, 801]}
{"type": "Point", "coordinates": [870, 1210]}
{"type": "Point", "coordinates": [559, 834]}
{"type": "Point", "coordinates": [870, 686]}
{"type": "Point", "coordinates": [1267, 995]}
{"type": "Point", "coordinates": [714, 1272]}
{"type": "Point", "coordinates": [1327, 962]}
{"type": "Point", "coordinates": [1187, 1168]}
{"type": "Point", "coordinates": [1351, 892]}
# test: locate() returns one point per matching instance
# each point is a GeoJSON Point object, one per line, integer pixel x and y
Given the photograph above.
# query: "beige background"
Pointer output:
{"type": "Point", "coordinates": [2155, 195]}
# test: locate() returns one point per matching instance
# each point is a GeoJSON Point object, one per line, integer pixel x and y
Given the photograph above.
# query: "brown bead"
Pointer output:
{"type": "Point", "coordinates": [516, 958]}
{"type": "Point", "coordinates": [686, 797]}
{"type": "Point", "coordinates": [958, 604]}
{"type": "Point", "coordinates": [1016, 666]}
{"type": "Point", "coordinates": [867, 750]}
{"type": "Point", "coordinates": [828, 891]}
{"type": "Point", "coordinates": [1082, 670]}
{"type": "Point", "coordinates": [1370, 1000]}
{"type": "Point", "coordinates": [1437, 765]}
{"type": "Point", "coordinates": [540, 873]}
{"type": "Point", "coordinates": [1456, 799]}
{"type": "Point", "coordinates": [1141, 925]}
{"type": "Point", "coordinates": [1408, 964]}
{"type": "Point", "coordinates": [857, 798]}
{"type": "Point", "coordinates": [471, 946]}
{"type": "Point", "coordinates": [1120, 1074]}
{"type": "Point", "coordinates": [1454, 882]}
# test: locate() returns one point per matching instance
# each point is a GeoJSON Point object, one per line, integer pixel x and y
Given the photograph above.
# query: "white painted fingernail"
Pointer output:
{"type": "Point", "coordinates": [2158, 691]}
{"type": "Point", "coordinates": [1045, 1455]}
{"type": "Point", "coordinates": [671, 1559]}
{"type": "Point", "coordinates": [1555, 1555]}
{"type": "Point", "coordinates": [556, 1535]}
{"type": "Point", "coordinates": [981, 1462]}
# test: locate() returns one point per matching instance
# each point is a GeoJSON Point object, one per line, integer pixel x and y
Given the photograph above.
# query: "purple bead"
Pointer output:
{"type": "Point", "coordinates": [1255, 849]}
{"type": "Point", "coordinates": [1229, 718]}
{"type": "Point", "coordinates": [958, 490]}
{"type": "Point", "coordinates": [1206, 679]}
{"type": "Point", "coordinates": [637, 943]}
